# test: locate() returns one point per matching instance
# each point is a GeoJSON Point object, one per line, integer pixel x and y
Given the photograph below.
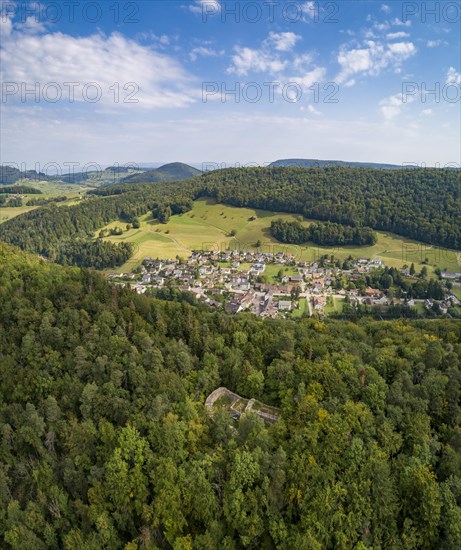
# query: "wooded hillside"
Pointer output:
{"type": "Point", "coordinates": [106, 442]}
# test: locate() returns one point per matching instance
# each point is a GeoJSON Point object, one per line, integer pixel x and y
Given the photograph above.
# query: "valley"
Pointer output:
{"type": "Point", "coordinates": [209, 224]}
{"type": "Point", "coordinates": [230, 275]}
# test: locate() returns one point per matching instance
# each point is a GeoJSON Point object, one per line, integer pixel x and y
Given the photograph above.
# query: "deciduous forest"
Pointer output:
{"type": "Point", "coordinates": [405, 202]}
{"type": "Point", "coordinates": [106, 442]}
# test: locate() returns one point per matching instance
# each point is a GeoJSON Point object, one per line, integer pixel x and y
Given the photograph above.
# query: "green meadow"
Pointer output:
{"type": "Point", "coordinates": [6, 213]}
{"type": "Point", "coordinates": [208, 226]}
{"type": "Point", "coordinates": [56, 187]}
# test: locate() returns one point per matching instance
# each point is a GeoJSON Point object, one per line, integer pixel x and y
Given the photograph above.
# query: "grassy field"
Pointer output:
{"type": "Point", "coordinates": [208, 226]}
{"type": "Point", "coordinates": [303, 309]}
{"type": "Point", "coordinates": [271, 272]}
{"type": "Point", "coordinates": [7, 213]}
{"type": "Point", "coordinates": [336, 307]}
{"type": "Point", "coordinates": [56, 188]}
{"type": "Point", "coordinates": [457, 292]}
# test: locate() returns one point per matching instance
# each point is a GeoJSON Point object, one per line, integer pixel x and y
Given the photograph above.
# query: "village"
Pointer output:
{"type": "Point", "coordinates": [271, 284]}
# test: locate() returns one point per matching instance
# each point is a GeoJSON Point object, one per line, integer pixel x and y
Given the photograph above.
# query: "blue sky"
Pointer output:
{"type": "Point", "coordinates": [149, 81]}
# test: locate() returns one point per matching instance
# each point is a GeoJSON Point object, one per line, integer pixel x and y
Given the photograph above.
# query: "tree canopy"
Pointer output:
{"type": "Point", "coordinates": [106, 442]}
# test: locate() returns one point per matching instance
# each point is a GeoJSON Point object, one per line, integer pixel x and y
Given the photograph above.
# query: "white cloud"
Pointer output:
{"type": "Point", "coordinates": [395, 35]}
{"type": "Point", "coordinates": [453, 76]}
{"type": "Point", "coordinates": [308, 79]}
{"type": "Point", "coordinates": [6, 19]}
{"type": "Point", "coordinates": [381, 26]}
{"type": "Point", "coordinates": [311, 110]}
{"type": "Point", "coordinates": [373, 58]}
{"type": "Point", "coordinates": [104, 60]}
{"type": "Point", "coordinates": [402, 49]}
{"type": "Point", "coordinates": [391, 107]}
{"type": "Point", "coordinates": [31, 26]}
{"type": "Point", "coordinates": [354, 61]}
{"type": "Point", "coordinates": [283, 41]}
{"type": "Point", "coordinates": [311, 9]}
{"type": "Point", "coordinates": [427, 112]}
{"type": "Point", "coordinates": [204, 52]}
{"type": "Point", "coordinates": [204, 7]}
{"type": "Point", "coordinates": [436, 43]}
{"type": "Point", "coordinates": [399, 23]}
{"type": "Point", "coordinates": [301, 61]}
{"type": "Point", "coordinates": [268, 58]}
{"type": "Point", "coordinates": [259, 61]}
{"type": "Point", "coordinates": [385, 8]}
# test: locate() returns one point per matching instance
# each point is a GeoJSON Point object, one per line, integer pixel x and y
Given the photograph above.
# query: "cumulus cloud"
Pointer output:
{"type": "Point", "coordinates": [205, 7]}
{"type": "Point", "coordinates": [453, 76]}
{"type": "Point", "coordinates": [385, 8]}
{"type": "Point", "coordinates": [307, 79]}
{"type": "Point", "coordinates": [268, 57]}
{"type": "Point", "coordinates": [203, 51]}
{"type": "Point", "coordinates": [391, 107]}
{"type": "Point", "coordinates": [402, 50]}
{"type": "Point", "coordinates": [31, 26]}
{"type": "Point", "coordinates": [248, 60]}
{"type": "Point", "coordinates": [399, 23]}
{"type": "Point", "coordinates": [283, 41]}
{"type": "Point", "coordinates": [395, 35]}
{"type": "Point", "coordinates": [311, 10]}
{"type": "Point", "coordinates": [7, 12]}
{"type": "Point", "coordinates": [373, 58]}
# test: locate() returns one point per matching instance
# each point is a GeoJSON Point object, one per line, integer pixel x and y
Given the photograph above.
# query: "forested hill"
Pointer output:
{"type": "Point", "coordinates": [65, 234]}
{"type": "Point", "coordinates": [315, 163]}
{"type": "Point", "coordinates": [10, 175]}
{"type": "Point", "coordinates": [106, 442]}
{"type": "Point", "coordinates": [169, 172]}
{"type": "Point", "coordinates": [423, 204]}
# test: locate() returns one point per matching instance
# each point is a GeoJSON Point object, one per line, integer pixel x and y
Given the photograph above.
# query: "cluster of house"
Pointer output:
{"type": "Point", "coordinates": [234, 280]}
{"type": "Point", "coordinates": [13, 196]}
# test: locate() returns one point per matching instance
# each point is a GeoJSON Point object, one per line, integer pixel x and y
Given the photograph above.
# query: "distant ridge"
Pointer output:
{"type": "Point", "coordinates": [315, 163]}
{"type": "Point", "coordinates": [10, 175]}
{"type": "Point", "coordinates": [168, 172]}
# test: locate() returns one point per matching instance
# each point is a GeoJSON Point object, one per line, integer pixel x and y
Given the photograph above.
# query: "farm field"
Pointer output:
{"type": "Point", "coordinates": [7, 213]}
{"type": "Point", "coordinates": [56, 187]}
{"type": "Point", "coordinates": [208, 226]}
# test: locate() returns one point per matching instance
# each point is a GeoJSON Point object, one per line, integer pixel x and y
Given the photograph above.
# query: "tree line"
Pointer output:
{"type": "Point", "coordinates": [324, 234]}
{"type": "Point", "coordinates": [19, 190]}
{"type": "Point", "coordinates": [406, 202]}
{"type": "Point", "coordinates": [56, 232]}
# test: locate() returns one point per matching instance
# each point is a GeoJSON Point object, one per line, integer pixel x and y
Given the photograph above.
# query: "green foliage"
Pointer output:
{"type": "Point", "coordinates": [19, 190]}
{"type": "Point", "coordinates": [66, 234]}
{"type": "Point", "coordinates": [43, 202]}
{"type": "Point", "coordinates": [105, 442]}
{"type": "Point", "coordinates": [324, 234]}
{"type": "Point", "coordinates": [169, 172]}
{"type": "Point", "coordinates": [402, 201]}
